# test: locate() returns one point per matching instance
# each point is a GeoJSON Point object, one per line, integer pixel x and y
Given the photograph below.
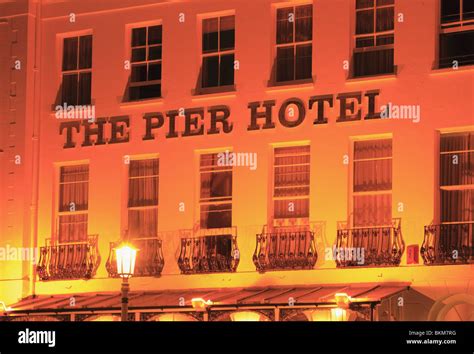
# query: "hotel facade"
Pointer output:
{"type": "Point", "coordinates": [280, 160]}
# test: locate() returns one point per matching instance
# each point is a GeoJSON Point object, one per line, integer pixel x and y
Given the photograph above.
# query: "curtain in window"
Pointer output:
{"type": "Point", "coordinates": [457, 205]}
{"type": "Point", "coordinates": [216, 216]}
{"type": "Point", "coordinates": [85, 52]}
{"type": "Point", "coordinates": [72, 228]}
{"type": "Point", "coordinates": [74, 188]}
{"type": "Point", "coordinates": [291, 179]}
{"type": "Point", "coordinates": [143, 183]}
{"type": "Point", "coordinates": [372, 210]}
{"type": "Point", "coordinates": [142, 222]}
{"type": "Point", "coordinates": [372, 165]}
{"type": "Point", "coordinates": [303, 23]}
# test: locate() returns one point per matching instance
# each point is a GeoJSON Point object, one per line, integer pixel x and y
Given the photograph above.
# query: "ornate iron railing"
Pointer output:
{"type": "Point", "coordinates": [448, 244]}
{"type": "Point", "coordinates": [77, 260]}
{"type": "Point", "coordinates": [209, 251]}
{"type": "Point", "coordinates": [285, 248]}
{"type": "Point", "coordinates": [369, 246]}
{"type": "Point", "coordinates": [149, 261]}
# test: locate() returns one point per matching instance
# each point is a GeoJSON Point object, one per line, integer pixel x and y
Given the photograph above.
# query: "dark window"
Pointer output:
{"type": "Point", "coordinates": [215, 193]}
{"type": "Point", "coordinates": [218, 55]}
{"type": "Point", "coordinates": [145, 78]}
{"type": "Point", "coordinates": [374, 38]}
{"type": "Point", "coordinates": [294, 34]}
{"type": "Point", "coordinates": [456, 40]}
{"type": "Point", "coordinates": [77, 71]}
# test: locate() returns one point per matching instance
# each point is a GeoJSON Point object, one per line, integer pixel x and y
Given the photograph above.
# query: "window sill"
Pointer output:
{"type": "Point", "coordinates": [372, 78]}
{"type": "Point", "coordinates": [290, 85]}
{"type": "Point", "coordinates": [142, 102]}
{"type": "Point", "coordinates": [440, 71]}
{"type": "Point", "coordinates": [214, 92]}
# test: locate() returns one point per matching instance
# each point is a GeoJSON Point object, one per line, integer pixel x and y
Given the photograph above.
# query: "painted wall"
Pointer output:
{"type": "Point", "coordinates": [445, 97]}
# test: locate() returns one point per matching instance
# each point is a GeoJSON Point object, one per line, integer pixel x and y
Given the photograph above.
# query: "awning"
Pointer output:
{"type": "Point", "coordinates": [258, 297]}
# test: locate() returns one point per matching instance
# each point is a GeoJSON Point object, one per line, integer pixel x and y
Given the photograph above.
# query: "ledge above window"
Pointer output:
{"type": "Point", "coordinates": [290, 85]}
{"type": "Point", "coordinates": [214, 92]}
{"type": "Point", "coordinates": [142, 102]}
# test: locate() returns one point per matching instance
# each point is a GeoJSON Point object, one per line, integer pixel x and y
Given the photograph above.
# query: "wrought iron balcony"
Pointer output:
{"type": "Point", "coordinates": [209, 251]}
{"type": "Point", "coordinates": [369, 246]}
{"type": "Point", "coordinates": [285, 248]}
{"type": "Point", "coordinates": [77, 260]}
{"type": "Point", "coordinates": [448, 244]}
{"type": "Point", "coordinates": [149, 261]}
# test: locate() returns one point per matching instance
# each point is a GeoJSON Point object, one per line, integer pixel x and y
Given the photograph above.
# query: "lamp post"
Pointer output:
{"type": "Point", "coordinates": [125, 255]}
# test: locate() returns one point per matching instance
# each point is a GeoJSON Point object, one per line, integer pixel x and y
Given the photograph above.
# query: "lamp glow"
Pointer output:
{"type": "Point", "coordinates": [126, 256]}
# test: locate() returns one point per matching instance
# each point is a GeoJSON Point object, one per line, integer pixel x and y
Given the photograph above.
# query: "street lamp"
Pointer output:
{"type": "Point", "coordinates": [125, 255]}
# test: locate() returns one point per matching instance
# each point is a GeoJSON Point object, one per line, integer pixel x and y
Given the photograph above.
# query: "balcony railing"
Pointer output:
{"type": "Point", "coordinates": [149, 261]}
{"type": "Point", "coordinates": [369, 246]}
{"type": "Point", "coordinates": [448, 244]}
{"type": "Point", "coordinates": [209, 251]}
{"type": "Point", "coordinates": [78, 260]}
{"type": "Point", "coordinates": [285, 248]}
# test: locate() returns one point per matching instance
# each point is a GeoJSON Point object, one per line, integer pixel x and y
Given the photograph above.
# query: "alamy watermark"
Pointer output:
{"type": "Point", "coordinates": [395, 111]}
{"type": "Point", "coordinates": [240, 159]}
{"type": "Point", "coordinates": [86, 112]}
{"type": "Point", "coordinates": [11, 253]}
{"type": "Point", "coordinates": [353, 254]}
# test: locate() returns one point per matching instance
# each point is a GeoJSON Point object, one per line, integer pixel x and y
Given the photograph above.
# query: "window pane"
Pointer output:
{"type": "Point", "coordinates": [85, 52]}
{"type": "Point", "coordinates": [385, 2]}
{"type": "Point", "coordinates": [450, 11]}
{"type": "Point", "coordinates": [154, 71]}
{"type": "Point", "coordinates": [362, 4]}
{"type": "Point", "coordinates": [304, 23]}
{"type": "Point", "coordinates": [139, 73]}
{"type": "Point", "coordinates": [457, 142]}
{"type": "Point", "coordinates": [154, 35]}
{"type": "Point", "coordinates": [70, 53]}
{"type": "Point", "coordinates": [144, 92]}
{"type": "Point", "coordinates": [216, 216]}
{"type": "Point", "coordinates": [227, 35]}
{"type": "Point", "coordinates": [285, 64]}
{"type": "Point", "coordinates": [227, 70]}
{"type": "Point", "coordinates": [72, 228]}
{"type": "Point", "coordinates": [303, 61]}
{"type": "Point", "coordinates": [85, 88]}
{"type": "Point", "coordinates": [299, 208]}
{"type": "Point", "coordinates": [457, 46]}
{"type": "Point", "coordinates": [138, 54]}
{"type": "Point", "coordinates": [385, 19]}
{"type": "Point", "coordinates": [216, 184]}
{"type": "Point", "coordinates": [284, 25]}
{"type": "Point", "coordinates": [372, 210]}
{"type": "Point", "coordinates": [138, 36]}
{"type": "Point", "coordinates": [74, 188]}
{"type": "Point", "coordinates": [143, 223]}
{"type": "Point", "coordinates": [69, 89]}
{"type": "Point", "coordinates": [375, 175]}
{"type": "Point", "coordinates": [468, 10]}
{"type": "Point", "coordinates": [457, 205]}
{"type": "Point", "coordinates": [365, 42]}
{"type": "Point", "coordinates": [365, 22]}
{"type": "Point", "coordinates": [372, 149]}
{"type": "Point", "coordinates": [210, 35]}
{"type": "Point", "coordinates": [385, 39]}
{"type": "Point", "coordinates": [373, 62]}
{"type": "Point", "coordinates": [154, 53]}
{"type": "Point", "coordinates": [210, 71]}
{"type": "Point", "coordinates": [457, 168]}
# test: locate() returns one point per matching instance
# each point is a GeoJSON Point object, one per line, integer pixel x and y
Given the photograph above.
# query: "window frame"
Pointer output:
{"type": "Point", "coordinates": [352, 193]}
{"type": "Point", "coordinates": [273, 82]}
{"type": "Point", "coordinates": [200, 89]}
{"type": "Point", "coordinates": [130, 47]}
{"type": "Point", "coordinates": [61, 73]}
{"type": "Point", "coordinates": [127, 195]}
{"type": "Point", "coordinates": [57, 199]}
